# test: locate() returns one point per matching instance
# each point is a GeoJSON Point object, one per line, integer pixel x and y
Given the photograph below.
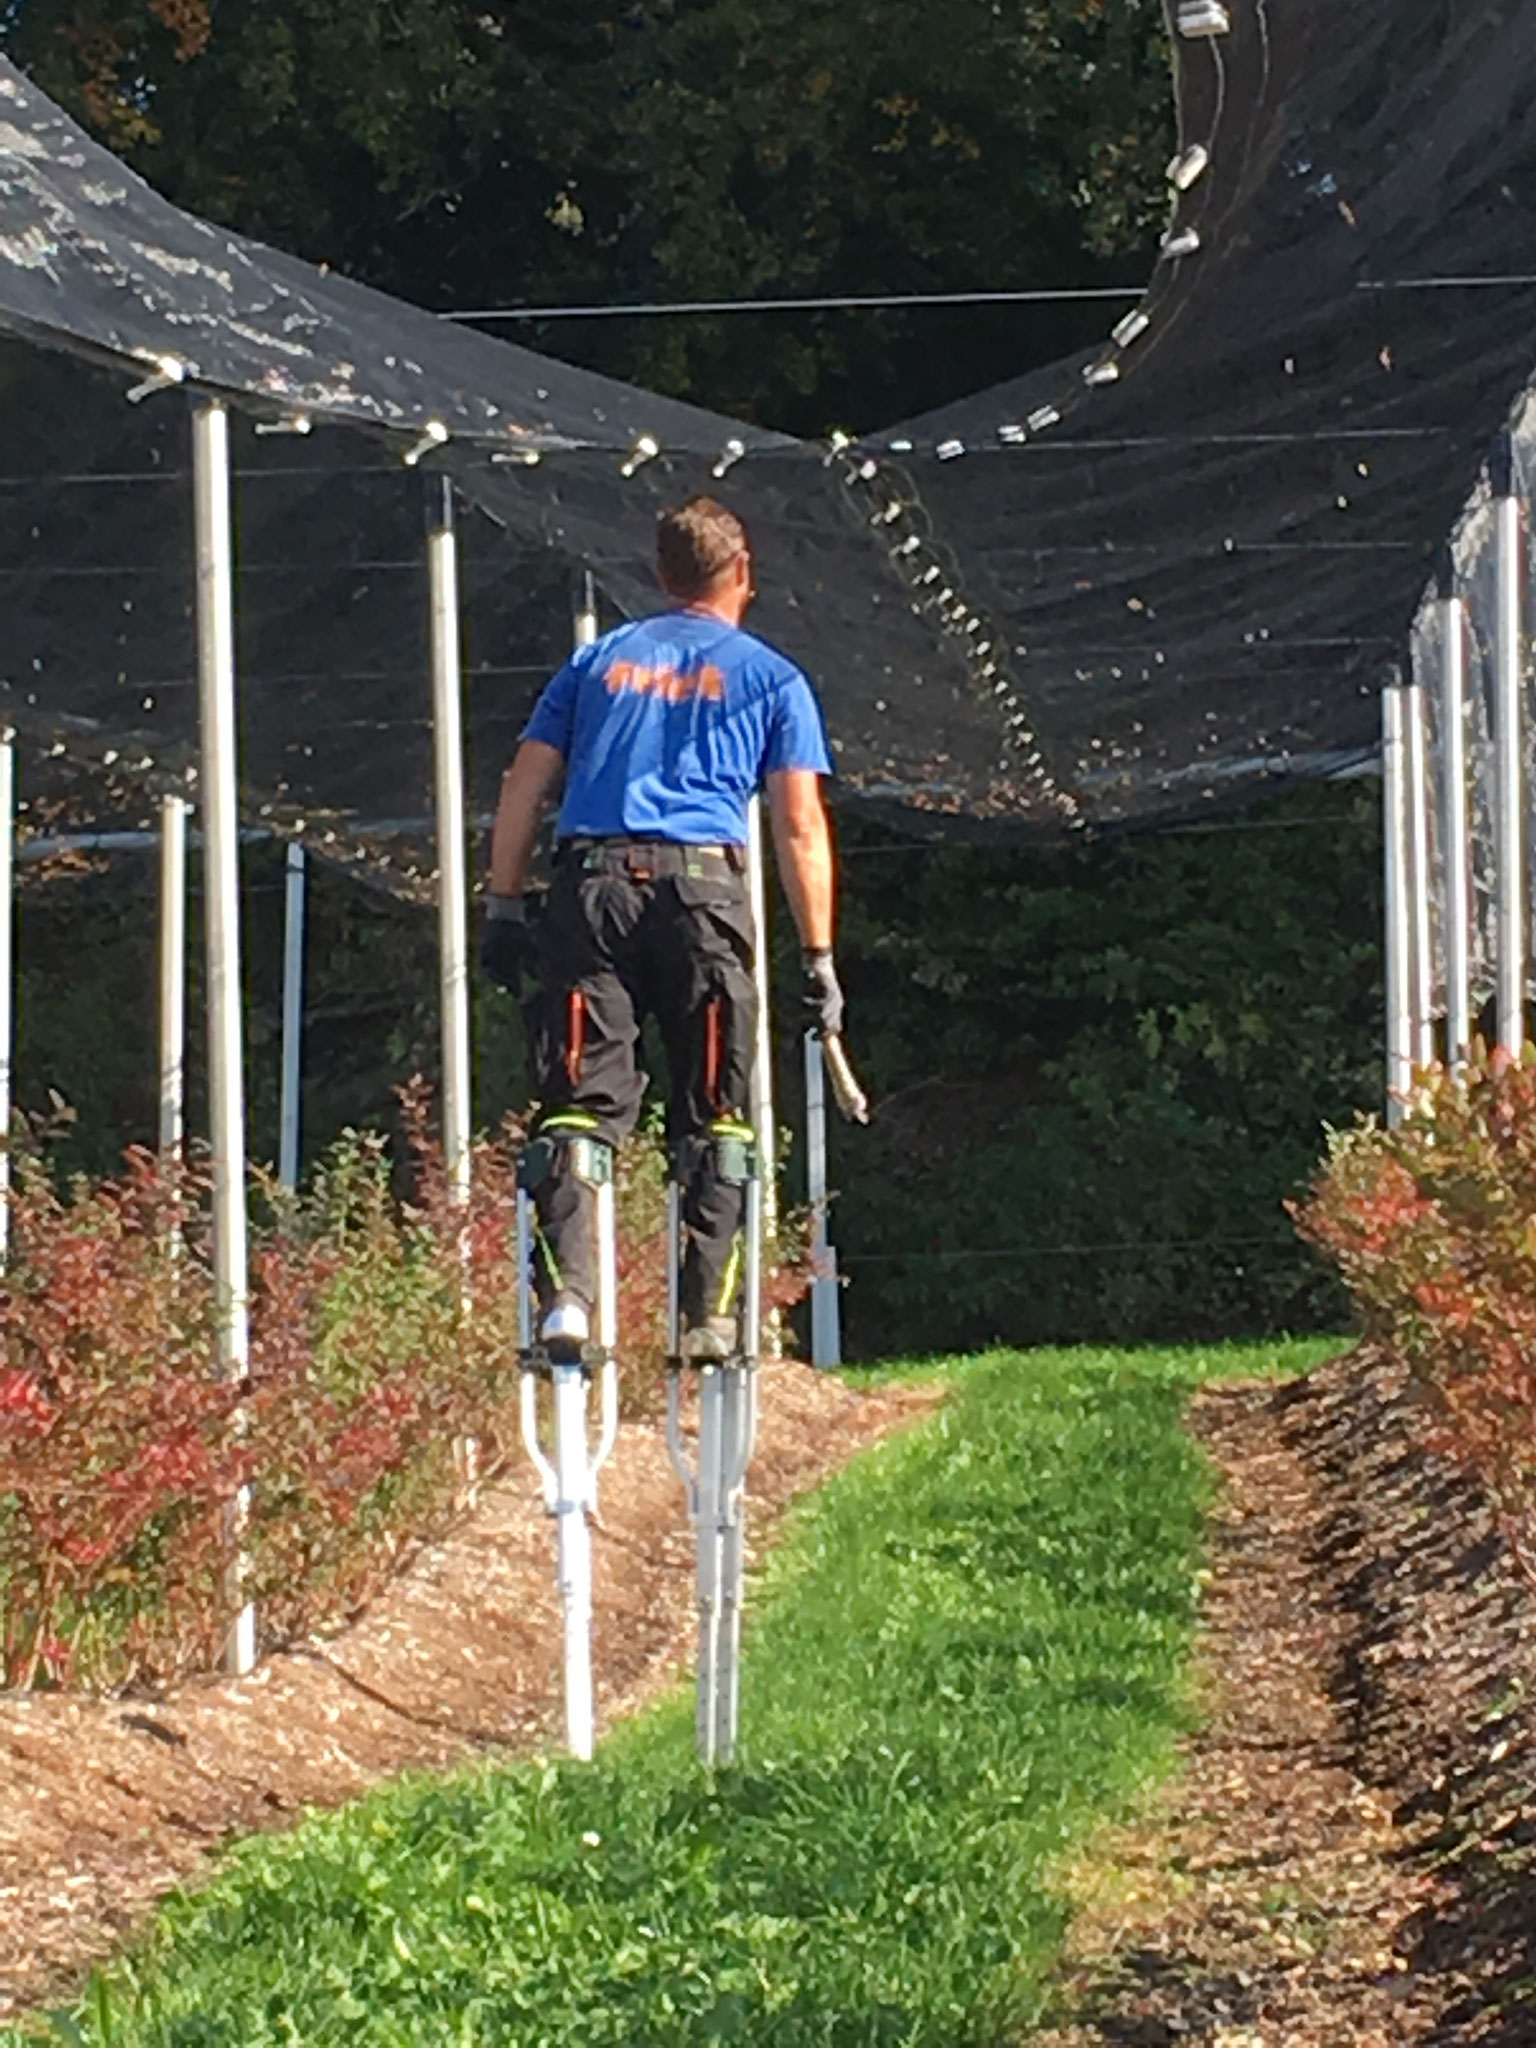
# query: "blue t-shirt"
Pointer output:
{"type": "Point", "coordinates": [669, 725]}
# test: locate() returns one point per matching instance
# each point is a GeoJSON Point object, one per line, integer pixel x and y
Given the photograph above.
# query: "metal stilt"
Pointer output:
{"type": "Point", "coordinates": [715, 1480]}
{"type": "Point", "coordinates": [570, 1475]}
{"type": "Point", "coordinates": [569, 1468]}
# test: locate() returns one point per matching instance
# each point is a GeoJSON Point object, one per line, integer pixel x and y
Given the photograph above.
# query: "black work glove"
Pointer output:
{"type": "Point", "coordinates": [821, 998]}
{"type": "Point", "coordinates": [509, 947]}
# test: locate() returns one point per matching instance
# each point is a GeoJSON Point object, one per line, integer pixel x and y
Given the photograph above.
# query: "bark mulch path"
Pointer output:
{"type": "Point", "coordinates": [1348, 1858]}
{"type": "Point", "coordinates": [110, 1803]}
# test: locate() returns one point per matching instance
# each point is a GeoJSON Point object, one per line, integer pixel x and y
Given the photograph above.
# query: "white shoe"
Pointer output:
{"type": "Point", "coordinates": [565, 1329]}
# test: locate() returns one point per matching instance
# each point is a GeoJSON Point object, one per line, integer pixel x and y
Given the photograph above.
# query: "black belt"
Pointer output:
{"type": "Point", "coordinates": [645, 859]}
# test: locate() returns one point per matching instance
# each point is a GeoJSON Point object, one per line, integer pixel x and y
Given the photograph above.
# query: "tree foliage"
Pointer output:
{"type": "Point", "coordinates": [1103, 1071]}
{"type": "Point", "coordinates": [510, 153]}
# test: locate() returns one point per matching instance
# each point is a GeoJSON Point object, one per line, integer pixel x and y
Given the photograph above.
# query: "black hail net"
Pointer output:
{"type": "Point", "coordinates": [1148, 581]}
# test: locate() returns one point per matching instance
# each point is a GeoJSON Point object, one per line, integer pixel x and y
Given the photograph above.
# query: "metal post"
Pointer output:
{"type": "Point", "coordinates": [7, 972]}
{"type": "Point", "coordinates": [826, 1333]}
{"type": "Point", "coordinates": [173, 974]}
{"type": "Point", "coordinates": [761, 1087]}
{"type": "Point", "coordinates": [1420, 802]}
{"type": "Point", "coordinates": [452, 891]}
{"type": "Point", "coordinates": [221, 889]}
{"type": "Point", "coordinates": [584, 617]}
{"type": "Point", "coordinates": [289, 1103]}
{"type": "Point", "coordinates": [1508, 736]}
{"type": "Point", "coordinates": [1455, 842]}
{"type": "Point", "coordinates": [1399, 934]}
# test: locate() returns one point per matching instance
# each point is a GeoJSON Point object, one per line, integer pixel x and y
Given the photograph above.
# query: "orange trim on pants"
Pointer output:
{"type": "Point", "coordinates": [575, 1034]}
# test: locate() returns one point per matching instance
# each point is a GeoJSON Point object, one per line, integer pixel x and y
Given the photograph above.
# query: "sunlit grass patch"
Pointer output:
{"type": "Point", "coordinates": [969, 1649]}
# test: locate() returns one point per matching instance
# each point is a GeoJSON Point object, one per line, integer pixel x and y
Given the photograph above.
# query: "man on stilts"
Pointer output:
{"type": "Point", "coordinates": [662, 732]}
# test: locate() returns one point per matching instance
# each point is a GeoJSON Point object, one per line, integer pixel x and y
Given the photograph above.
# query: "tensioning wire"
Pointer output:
{"type": "Point", "coordinates": [1055, 1251]}
{"type": "Point", "coordinates": [853, 302]}
{"type": "Point", "coordinates": [848, 302]}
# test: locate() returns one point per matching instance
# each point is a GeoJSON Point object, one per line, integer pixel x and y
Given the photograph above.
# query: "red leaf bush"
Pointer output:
{"type": "Point", "coordinates": [1433, 1227]}
{"type": "Point", "coordinates": [382, 1333]}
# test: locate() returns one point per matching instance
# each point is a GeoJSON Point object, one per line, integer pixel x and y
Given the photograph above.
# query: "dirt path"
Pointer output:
{"type": "Point", "coordinates": [108, 1804]}
{"type": "Point", "coordinates": [1348, 1859]}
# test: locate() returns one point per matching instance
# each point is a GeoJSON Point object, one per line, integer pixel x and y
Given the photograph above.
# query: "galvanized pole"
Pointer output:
{"type": "Point", "coordinates": [1399, 928]}
{"type": "Point", "coordinates": [221, 893]}
{"type": "Point", "coordinates": [290, 1096]}
{"type": "Point", "coordinates": [7, 972]}
{"type": "Point", "coordinates": [826, 1334]}
{"type": "Point", "coordinates": [1508, 740]}
{"type": "Point", "coordinates": [452, 853]}
{"type": "Point", "coordinates": [1455, 842]}
{"type": "Point", "coordinates": [761, 1086]}
{"type": "Point", "coordinates": [1420, 802]}
{"type": "Point", "coordinates": [173, 974]}
{"type": "Point", "coordinates": [584, 615]}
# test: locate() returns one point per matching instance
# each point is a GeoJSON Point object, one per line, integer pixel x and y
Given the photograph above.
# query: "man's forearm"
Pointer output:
{"type": "Point", "coordinates": [525, 792]}
{"type": "Point", "coordinates": [805, 868]}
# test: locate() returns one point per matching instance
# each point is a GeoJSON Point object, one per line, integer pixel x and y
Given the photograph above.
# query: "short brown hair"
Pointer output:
{"type": "Point", "coordinates": [694, 542]}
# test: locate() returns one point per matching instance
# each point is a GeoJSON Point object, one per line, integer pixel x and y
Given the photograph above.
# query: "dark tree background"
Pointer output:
{"type": "Point", "coordinates": [1103, 1069]}
{"type": "Point", "coordinates": [518, 153]}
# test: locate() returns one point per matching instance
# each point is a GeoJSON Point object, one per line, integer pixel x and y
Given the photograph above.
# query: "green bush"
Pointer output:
{"type": "Point", "coordinates": [1101, 1071]}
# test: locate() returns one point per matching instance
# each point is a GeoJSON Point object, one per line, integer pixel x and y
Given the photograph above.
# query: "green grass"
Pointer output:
{"type": "Point", "coordinates": [969, 1650]}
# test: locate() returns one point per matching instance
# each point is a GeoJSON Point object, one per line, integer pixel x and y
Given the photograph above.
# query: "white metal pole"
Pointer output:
{"type": "Point", "coordinates": [607, 1216]}
{"type": "Point", "coordinates": [1399, 935]}
{"type": "Point", "coordinates": [761, 1086]}
{"type": "Point", "coordinates": [452, 889]}
{"type": "Point", "coordinates": [1455, 842]}
{"type": "Point", "coordinates": [1420, 802]}
{"type": "Point", "coordinates": [826, 1333]}
{"type": "Point", "coordinates": [736, 1395]}
{"type": "Point", "coordinates": [221, 889]}
{"type": "Point", "coordinates": [173, 974]}
{"type": "Point", "coordinates": [574, 1542]}
{"type": "Point", "coordinates": [1508, 739]}
{"type": "Point", "coordinates": [7, 972]}
{"type": "Point", "coordinates": [524, 1256]}
{"type": "Point", "coordinates": [674, 1270]}
{"type": "Point", "coordinates": [289, 1102]}
{"type": "Point", "coordinates": [584, 620]}
{"type": "Point", "coordinates": [711, 1451]}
